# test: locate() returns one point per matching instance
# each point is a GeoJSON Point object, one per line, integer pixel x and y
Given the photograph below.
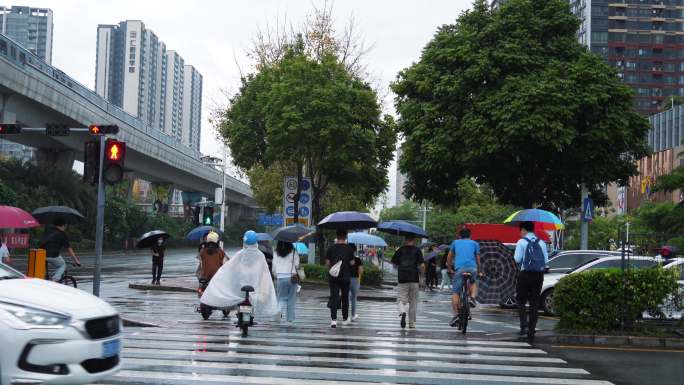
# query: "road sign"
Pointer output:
{"type": "Point", "coordinates": [588, 210]}
{"type": "Point", "coordinates": [270, 220]}
{"type": "Point", "coordinates": [289, 195]}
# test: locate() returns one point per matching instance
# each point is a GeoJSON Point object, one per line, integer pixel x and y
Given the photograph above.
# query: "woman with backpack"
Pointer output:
{"type": "Point", "coordinates": [285, 269]}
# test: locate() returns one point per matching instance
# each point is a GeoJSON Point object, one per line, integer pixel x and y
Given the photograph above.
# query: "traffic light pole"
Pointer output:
{"type": "Point", "coordinates": [99, 226]}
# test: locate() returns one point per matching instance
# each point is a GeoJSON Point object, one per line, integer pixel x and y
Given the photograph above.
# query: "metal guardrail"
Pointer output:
{"type": "Point", "coordinates": [18, 56]}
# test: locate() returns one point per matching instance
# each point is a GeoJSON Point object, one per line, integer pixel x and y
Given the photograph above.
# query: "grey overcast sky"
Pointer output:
{"type": "Point", "coordinates": [212, 35]}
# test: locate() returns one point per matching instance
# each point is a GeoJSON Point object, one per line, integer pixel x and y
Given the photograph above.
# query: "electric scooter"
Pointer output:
{"type": "Point", "coordinates": [206, 310]}
{"type": "Point", "coordinates": [245, 315]}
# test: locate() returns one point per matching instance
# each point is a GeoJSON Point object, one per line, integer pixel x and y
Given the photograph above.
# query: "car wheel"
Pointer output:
{"type": "Point", "coordinates": [547, 301]}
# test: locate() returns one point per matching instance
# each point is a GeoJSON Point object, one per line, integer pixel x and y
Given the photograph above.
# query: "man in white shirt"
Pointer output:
{"type": "Point", "coordinates": [532, 256]}
{"type": "Point", "coordinates": [4, 253]}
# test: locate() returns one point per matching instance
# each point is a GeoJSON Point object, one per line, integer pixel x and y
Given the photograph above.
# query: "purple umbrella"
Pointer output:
{"type": "Point", "coordinates": [347, 220]}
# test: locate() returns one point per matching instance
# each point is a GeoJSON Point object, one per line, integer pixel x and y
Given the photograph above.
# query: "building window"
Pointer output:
{"type": "Point", "coordinates": [131, 49]}
{"type": "Point", "coordinates": [134, 34]}
{"type": "Point", "coordinates": [131, 70]}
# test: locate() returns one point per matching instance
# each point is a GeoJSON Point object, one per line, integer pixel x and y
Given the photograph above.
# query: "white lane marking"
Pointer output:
{"type": "Point", "coordinates": [439, 366]}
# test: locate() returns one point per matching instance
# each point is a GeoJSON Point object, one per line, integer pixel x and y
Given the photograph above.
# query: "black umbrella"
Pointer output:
{"type": "Point", "coordinates": [148, 239]}
{"type": "Point", "coordinates": [48, 215]}
{"type": "Point", "coordinates": [291, 233]}
{"type": "Point", "coordinates": [402, 228]}
{"type": "Point", "coordinates": [347, 220]}
{"type": "Point", "coordinates": [500, 274]}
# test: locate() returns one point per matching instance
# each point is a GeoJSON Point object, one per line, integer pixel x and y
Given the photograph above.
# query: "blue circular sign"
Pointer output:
{"type": "Point", "coordinates": [303, 211]}
{"type": "Point", "coordinates": [289, 210]}
{"type": "Point", "coordinates": [305, 185]}
{"type": "Point", "coordinates": [304, 198]}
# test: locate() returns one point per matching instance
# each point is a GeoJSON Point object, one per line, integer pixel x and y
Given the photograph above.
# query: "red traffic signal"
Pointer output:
{"type": "Point", "coordinates": [10, 129]}
{"type": "Point", "coordinates": [100, 129]}
{"type": "Point", "coordinates": [114, 155]}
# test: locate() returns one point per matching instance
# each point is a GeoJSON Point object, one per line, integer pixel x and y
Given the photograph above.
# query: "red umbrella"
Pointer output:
{"type": "Point", "coordinates": [16, 218]}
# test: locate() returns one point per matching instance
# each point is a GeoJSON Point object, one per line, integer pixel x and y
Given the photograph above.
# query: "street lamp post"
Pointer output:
{"type": "Point", "coordinates": [223, 190]}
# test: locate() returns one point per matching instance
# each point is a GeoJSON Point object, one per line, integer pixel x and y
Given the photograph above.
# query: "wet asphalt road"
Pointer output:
{"type": "Point", "coordinates": [188, 350]}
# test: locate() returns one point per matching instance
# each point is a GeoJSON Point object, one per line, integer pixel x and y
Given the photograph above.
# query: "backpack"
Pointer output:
{"type": "Point", "coordinates": [533, 260]}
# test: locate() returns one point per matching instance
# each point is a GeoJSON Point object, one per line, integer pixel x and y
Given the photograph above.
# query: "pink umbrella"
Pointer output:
{"type": "Point", "coordinates": [16, 218]}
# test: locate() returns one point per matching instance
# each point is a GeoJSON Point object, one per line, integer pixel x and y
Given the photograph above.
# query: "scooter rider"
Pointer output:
{"type": "Point", "coordinates": [211, 257]}
{"type": "Point", "coordinates": [246, 268]}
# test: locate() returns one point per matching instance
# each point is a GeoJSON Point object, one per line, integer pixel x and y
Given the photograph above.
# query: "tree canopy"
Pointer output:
{"type": "Point", "coordinates": [316, 115]}
{"type": "Point", "coordinates": [510, 98]}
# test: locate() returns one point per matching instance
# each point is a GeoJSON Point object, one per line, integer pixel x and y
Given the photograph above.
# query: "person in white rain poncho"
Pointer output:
{"type": "Point", "coordinates": [247, 267]}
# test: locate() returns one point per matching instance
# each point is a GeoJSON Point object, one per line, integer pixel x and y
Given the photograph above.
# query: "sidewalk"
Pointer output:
{"type": "Point", "coordinates": [612, 341]}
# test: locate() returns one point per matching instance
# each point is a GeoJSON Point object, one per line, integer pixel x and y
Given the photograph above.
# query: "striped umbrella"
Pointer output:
{"type": "Point", "coordinates": [543, 220]}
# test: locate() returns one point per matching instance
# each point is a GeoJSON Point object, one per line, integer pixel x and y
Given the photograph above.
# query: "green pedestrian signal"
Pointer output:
{"type": "Point", "coordinates": [208, 217]}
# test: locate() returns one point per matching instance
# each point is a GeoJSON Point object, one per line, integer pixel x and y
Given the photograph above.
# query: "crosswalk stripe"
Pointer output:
{"type": "Point", "coordinates": [400, 340]}
{"type": "Point", "coordinates": [129, 375]}
{"type": "Point", "coordinates": [376, 375]}
{"type": "Point", "coordinates": [316, 342]}
{"type": "Point", "coordinates": [373, 363]}
{"type": "Point", "coordinates": [238, 347]}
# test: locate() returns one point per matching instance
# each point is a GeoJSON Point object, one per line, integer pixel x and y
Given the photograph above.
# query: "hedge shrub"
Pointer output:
{"type": "Point", "coordinates": [592, 300]}
{"type": "Point", "coordinates": [371, 274]}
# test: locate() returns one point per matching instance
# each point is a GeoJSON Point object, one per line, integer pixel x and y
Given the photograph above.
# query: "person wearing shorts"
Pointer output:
{"type": "Point", "coordinates": [464, 257]}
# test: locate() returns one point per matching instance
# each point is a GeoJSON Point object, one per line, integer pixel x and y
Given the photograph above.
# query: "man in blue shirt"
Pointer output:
{"type": "Point", "coordinates": [467, 260]}
{"type": "Point", "coordinates": [530, 277]}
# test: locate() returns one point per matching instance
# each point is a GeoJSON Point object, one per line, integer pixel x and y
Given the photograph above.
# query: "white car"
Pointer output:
{"type": "Point", "coordinates": [550, 280]}
{"type": "Point", "coordinates": [54, 334]}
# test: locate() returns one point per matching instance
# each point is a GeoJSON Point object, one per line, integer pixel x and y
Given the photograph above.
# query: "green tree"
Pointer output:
{"type": "Point", "coordinates": [407, 211]}
{"type": "Point", "coordinates": [510, 98]}
{"type": "Point", "coordinates": [318, 116]}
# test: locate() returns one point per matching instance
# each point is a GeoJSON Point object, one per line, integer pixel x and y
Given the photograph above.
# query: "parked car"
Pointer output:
{"type": "Point", "coordinates": [604, 262]}
{"type": "Point", "coordinates": [564, 261]}
{"type": "Point", "coordinates": [54, 334]}
{"type": "Point", "coordinates": [677, 263]}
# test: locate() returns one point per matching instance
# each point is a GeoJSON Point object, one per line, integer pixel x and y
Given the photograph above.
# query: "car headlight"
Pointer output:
{"type": "Point", "coordinates": [26, 317]}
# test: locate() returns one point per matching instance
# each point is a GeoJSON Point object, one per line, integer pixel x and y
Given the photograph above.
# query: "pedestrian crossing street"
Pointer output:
{"type": "Point", "coordinates": [374, 350]}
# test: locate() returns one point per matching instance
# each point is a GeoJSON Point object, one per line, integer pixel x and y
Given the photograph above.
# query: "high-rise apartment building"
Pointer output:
{"type": "Point", "coordinates": [192, 107]}
{"type": "Point", "coordinates": [642, 39]}
{"type": "Point", "coordinates": [400, 181]}
{"type": "Point", "coordinates": [135, 71]}
{"type": "Point", "coordinates": [29, 26]}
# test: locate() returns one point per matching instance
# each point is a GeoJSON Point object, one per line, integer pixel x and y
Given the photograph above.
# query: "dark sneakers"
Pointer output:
{"type": "Point", "coordinates": [403, 320]}
{"type": "Point", "coordinates": [454, 321]}
{"type": "Point", "coordinates": [473, 302]}
{"type": "Point", "coordinates": [522, 332]}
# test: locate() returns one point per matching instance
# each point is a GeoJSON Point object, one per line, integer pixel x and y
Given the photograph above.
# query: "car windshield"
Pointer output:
{"type": "Point", "coordinates": [7, 272]}
{"type": "Point", "coordinates": [584, 264]}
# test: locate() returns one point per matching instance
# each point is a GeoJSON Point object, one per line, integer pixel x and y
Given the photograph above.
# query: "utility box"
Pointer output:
{"type": "Point", "coordinates": [36, 263]}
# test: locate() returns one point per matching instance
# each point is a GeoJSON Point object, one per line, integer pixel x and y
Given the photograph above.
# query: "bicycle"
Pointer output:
{"type": "Point", "coordinates": [464, 311]}
{"type": "Point", "coordinates": [66, 278]}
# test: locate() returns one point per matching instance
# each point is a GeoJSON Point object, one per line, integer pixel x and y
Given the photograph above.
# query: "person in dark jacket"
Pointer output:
{"type": "Point", "coordinates": [341, 253]}
{"type": "Point", "coordinates": [409, 261]}
{"type": "Point", "coordinates": [158, 250]}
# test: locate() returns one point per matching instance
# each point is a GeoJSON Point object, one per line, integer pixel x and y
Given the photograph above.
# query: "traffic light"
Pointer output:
{"type": "Point", "coordinates": [208, 217]}
{"type": "Point", "coordinates": [52, 129]}
{"type": "Point", "coordinates": [115, 153]}
{"type": "Point", "coordinates": [196, 215]}
{"type": "Point", "coordinates": [91, 162]}
{"type": "Point", "coordinates": [100, 129]}
{"type": "Point", "coordinates": [6, 128]}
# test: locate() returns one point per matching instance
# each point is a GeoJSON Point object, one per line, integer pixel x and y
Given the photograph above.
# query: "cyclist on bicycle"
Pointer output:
{"type": "Point", "coordinates": [54, 242]}
{"type": "Point", "coordinates": [464, 257]}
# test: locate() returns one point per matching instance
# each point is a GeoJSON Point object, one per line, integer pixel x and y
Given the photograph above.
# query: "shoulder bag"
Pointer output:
{"type": "Point", "coordinates": [295, 279]}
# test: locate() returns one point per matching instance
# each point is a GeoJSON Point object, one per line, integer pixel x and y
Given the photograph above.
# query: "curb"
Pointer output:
{"type": "Point", "coordinates": [643, 342]}
{"type": "Point", "coordinates": [177, 289]}
{"type": "Point", "coordinates": [132, 322]}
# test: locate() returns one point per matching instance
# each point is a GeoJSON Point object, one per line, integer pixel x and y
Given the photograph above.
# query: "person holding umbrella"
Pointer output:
{"type": "Point", "coordinates": [339, 259]}
{"type": "Point", "coordinates": [4, 252]}
{"type": "Point", "coordinates": [54, 242]}
{"type": "Point", "coordinates": [158, 250]}
{"type": "Point", "coordinates": [409, 261]}
{"type": "Point", "coordinates": [285, 269]}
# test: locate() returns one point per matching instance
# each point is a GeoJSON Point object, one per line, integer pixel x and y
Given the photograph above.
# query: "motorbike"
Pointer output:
{"type": "Point", "coordinates": [245, 315]}
{"type": "Point", "coordinates": [206, 310]}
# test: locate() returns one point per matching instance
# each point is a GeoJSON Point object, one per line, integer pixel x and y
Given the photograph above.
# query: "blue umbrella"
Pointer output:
{"type": "Point", "coordinates": [366, 239]}
{"type": "Point", "coordinates": [264, 237]}
{"type": "Point", "coordinates": [199, 232]}
{"type": "Point", "coordinates": [402, 228]}
{"type": "Point", "coordinates": [301, 248]}
{"type": "Point", "coordinates": [346, 220]}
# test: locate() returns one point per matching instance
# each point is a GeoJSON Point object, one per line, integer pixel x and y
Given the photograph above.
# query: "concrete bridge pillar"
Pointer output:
{"type": "Point", "coordinates": [55, 158]}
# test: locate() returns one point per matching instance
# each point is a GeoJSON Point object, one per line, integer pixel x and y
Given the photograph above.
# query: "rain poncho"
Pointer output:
{"type": "Point", "coordinates": [247, 267]}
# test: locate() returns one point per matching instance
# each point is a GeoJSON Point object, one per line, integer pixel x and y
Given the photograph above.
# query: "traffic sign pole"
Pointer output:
{"type": "Point", "coordinates": [584, 225]}
{"type": "Point", "coordinates": [99, 227]}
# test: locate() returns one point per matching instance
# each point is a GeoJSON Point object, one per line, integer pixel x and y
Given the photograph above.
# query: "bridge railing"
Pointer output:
{"type": "Point", "coordinates": [27, 61]}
